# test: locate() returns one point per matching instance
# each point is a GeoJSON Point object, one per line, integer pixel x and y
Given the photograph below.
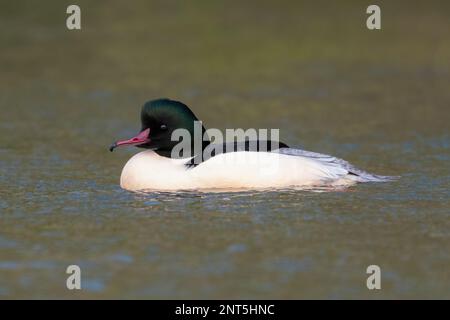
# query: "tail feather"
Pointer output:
{"type": "Point", "coordinates": [363, 176]}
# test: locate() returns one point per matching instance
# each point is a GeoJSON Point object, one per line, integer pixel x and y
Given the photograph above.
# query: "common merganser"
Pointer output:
{"type": "Point", "coordinates": [244, 165]}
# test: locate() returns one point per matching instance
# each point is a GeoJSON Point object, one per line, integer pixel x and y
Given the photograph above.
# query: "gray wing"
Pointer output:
{"type": "Point", "coordinates": [335, 165]}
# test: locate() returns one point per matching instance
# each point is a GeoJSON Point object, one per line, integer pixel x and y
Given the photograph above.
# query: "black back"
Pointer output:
{"type": "Point", "coordinates": [212, 150]}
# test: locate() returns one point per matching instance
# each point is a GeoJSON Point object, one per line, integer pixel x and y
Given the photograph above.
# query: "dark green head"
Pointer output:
{"type": "Point", "coordinates": [159, 118]}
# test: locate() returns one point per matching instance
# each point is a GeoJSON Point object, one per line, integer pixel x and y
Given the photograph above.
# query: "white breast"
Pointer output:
{"type": "Point", "coordinates": [235, 170]}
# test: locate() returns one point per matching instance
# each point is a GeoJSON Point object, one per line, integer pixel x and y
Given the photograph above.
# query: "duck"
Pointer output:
{"type": "Point", "coordinates": [216, 165]}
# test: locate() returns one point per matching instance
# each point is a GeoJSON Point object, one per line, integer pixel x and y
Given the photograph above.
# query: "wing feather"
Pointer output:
{"type": "Point", "coordinates": [334, 167]}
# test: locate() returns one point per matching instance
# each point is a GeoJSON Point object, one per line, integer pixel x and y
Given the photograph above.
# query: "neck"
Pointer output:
{"type": "Point", "coordinates": [194, 150]}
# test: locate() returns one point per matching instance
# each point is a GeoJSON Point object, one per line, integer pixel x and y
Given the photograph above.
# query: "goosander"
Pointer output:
{"type": "Point", "coordinates": [231, 166]}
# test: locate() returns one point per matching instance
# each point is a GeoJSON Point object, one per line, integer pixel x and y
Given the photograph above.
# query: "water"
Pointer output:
{"type": "Point", "coordinates": [377, 99]}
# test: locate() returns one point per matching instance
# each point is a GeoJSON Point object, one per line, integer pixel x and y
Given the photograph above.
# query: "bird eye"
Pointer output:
{"type": "Point", "coordinates": [163, 127]}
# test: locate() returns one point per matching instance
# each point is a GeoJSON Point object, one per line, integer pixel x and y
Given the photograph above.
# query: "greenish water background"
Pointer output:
{"type": "Point", "coordinates": [379, 99]}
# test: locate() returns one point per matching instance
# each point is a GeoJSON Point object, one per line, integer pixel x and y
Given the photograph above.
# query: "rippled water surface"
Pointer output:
{"type": "Point", "coordinates": [378, 99]}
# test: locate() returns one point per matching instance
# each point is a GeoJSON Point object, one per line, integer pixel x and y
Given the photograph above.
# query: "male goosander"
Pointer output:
{"type": "Point", "coordinates": [245, 165]}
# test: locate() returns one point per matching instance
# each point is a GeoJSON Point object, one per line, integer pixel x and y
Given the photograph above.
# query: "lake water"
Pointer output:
{"type": "Point", "coordinates": [379, 99]}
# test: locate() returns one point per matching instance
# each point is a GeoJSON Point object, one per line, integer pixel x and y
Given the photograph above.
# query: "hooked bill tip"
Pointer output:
{"type": "Point", "coordinates": [113, 146]}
